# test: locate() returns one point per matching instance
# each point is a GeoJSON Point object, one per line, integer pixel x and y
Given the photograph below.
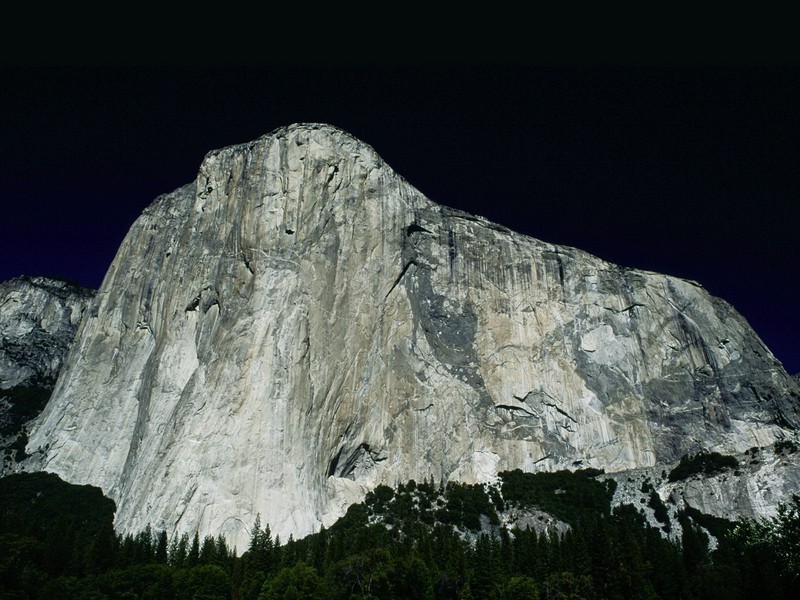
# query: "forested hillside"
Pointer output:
{"type": "Point", "coordinates": [421, 540]}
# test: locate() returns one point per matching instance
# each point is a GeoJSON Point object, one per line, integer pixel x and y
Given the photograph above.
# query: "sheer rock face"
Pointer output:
{"type": "Point", "coordinates": [38, 320]}
{"type": "Point", "coordinates": [300, 324]}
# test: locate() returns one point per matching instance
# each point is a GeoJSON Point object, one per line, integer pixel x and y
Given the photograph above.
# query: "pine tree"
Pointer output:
{"type": "Point", "coordinates": [485, 567]}
{"type": "Point", "coordinates": [145, 551]}
{"type": "Point", "coordinates": [161, 548]}
{"type": "Point", "coordinates": [208, 551]}
{"type": "Point", "coordinates": [261, 547]}
{"type": "Point", "coordinates": [255, 532]}
{"type": "Point", "coordinates": [193, 558]}
{"type": "Point", "coordinates": [172, 551]}
{"type": "Point", "coordinates": [102, 551]}
{"type": "Point", "coordinates": [223, 553]}
{"type": "Point", "coordinates": [181, 554]}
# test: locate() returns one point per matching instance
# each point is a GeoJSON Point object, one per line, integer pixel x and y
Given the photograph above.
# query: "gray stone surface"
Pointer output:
{"type": "Point", "coordinates": [299, 324]}
{"type": "Point", "coordinates": [38, 320]}
{"type": "Point", "coordinates": [766, 477]}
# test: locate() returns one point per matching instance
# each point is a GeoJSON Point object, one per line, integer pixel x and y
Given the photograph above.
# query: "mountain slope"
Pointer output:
{"type": "Point", "coordinates": [38, 320]}
{"type": "Point", "coordinates": [300, 324]}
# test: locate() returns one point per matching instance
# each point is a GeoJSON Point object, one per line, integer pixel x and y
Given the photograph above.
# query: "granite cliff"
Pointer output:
{"type": "Point", "coordinates": [299, 324]}
{"type": "Point", "coordinates": [38, 320]}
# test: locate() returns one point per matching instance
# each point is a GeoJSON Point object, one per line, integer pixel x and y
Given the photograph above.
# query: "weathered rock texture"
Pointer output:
{"type": "Point", "coordinates": [38, 320]}
{"type": "Point", "coordinates": [765, 477]}
{"type": "Point", "coordinates": [300, 324]}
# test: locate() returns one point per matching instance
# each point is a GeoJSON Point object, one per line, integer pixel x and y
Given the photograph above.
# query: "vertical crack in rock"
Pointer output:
{"type": "Point", "coordinates": [451, 253]}
{"type": "Point", "coordinates": [560, 262]}
{"type": "Point", "coordinates": [334, 463]}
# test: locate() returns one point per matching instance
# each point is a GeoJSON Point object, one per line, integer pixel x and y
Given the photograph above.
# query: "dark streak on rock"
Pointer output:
{"type": "Point", "coordinates": [362, 456]}
{"type": "Point", "coordinates": [626, 309]}
{"type": "Point", "coordinates": [561, 411]}
{"type": "Point", "coordinates": [193, 304]}
{"type": "Point", "coordinates": [520, 409]}
{"type": "Point", "coordinates": [400, 277]}
{"type": "Point", "coordinates": [415, 228]}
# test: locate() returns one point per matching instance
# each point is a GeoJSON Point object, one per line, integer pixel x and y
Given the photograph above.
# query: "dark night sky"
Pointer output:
{"type": "Point", "coordinates": [689, 171]}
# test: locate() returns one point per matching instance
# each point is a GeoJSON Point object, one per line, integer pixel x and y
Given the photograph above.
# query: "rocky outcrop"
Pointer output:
{"type": "Point", "coordinates": [38, 320]}
{"type": "Point", "coordinates": [300, 324]}
{"type": "Point", "coordinates": [531, 519]}
{"type": "Point", "coordinates": [763, 478]}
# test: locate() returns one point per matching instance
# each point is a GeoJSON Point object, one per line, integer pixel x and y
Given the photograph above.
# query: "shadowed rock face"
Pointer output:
{"type": "Point", "coordinates": [38, 320]}
{"type": "Point", "coordinates": [300, 324]}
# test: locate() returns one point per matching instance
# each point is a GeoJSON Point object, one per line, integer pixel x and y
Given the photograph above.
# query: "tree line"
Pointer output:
{"type": "Point", "coordinates": [418, 540]}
